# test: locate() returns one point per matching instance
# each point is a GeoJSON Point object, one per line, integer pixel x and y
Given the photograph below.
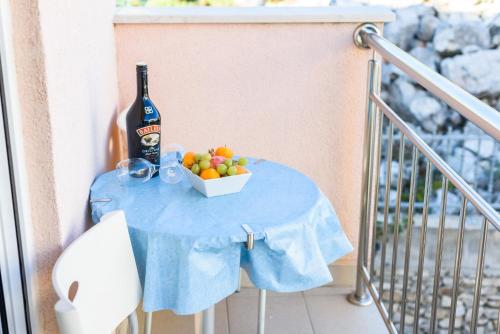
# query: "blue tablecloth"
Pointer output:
{"type": "Point", "coordinates": [189, 248]}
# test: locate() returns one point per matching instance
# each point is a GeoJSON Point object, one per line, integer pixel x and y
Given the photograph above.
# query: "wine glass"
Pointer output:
{"type": "Point", "coordinates": [134, 171]}
{"type": "Point", "coordinates": [171, 164]}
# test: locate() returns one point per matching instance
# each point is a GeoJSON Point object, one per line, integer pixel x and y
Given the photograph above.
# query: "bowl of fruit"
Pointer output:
{"type": "Point", "coordinates": [217, 172]}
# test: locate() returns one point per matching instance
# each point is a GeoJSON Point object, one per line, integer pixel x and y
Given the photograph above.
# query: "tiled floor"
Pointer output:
{"type": "Point", "coordinates": [318, 311]}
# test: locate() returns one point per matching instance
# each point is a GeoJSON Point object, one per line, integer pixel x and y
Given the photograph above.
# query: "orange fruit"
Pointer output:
{"type": "Point", "coordinates": [225, 152]}
{"type": "Point", "coordinates": [240, 170]}
{"type": "Point", "coordinates": [189, 159]}
{"type": "Point", "coordinates": [209, 173]}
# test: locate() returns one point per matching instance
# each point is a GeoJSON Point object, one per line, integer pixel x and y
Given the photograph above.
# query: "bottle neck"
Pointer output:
{"type": "Point", "coordinates": [142, 83]}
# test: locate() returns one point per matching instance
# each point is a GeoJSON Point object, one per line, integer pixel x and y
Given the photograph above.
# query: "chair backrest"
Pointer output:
{"type": "Point", "coordinates": [100, 267]}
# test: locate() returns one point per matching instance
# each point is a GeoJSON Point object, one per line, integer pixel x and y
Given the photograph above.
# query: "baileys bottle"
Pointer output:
{"type": "Point", "coordinates": [144, 123]}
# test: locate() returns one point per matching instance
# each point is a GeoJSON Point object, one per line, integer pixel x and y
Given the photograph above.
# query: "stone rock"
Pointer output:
{"type": "Point", "coordinates": [470, 49]}
{"type": "Point", "coordinates": [471, 129]}
{"type": "Point", "coordinates": [445, 301]}
{"type": "Point", "coordinates": [424, 107]}
{"type": "Point", "coordinates": [484, 148]}
{"type": "Point", "coordinates": [402, 93]}
{"type": "Point", "coordinates": [444, 324]}
{"type": "Point", "coordinates": [463, 162]}
{"type": "Point", "coordinates": [442, 313]}
{"type": "Point", "coordinates": [490, 313]}
{"type": "Point", "coordinates": [403, 30]}
{"type": "Point", "coordinates": [460, 311]}
{"type": "Point", "coordinates": [428, 111]}
{"type": "Point", "coordinates": [427, 27]}
{"type": "Point", "coordinates": [390, 73]}
{"type": "Point", "coordinates": [456, 118]}
{"type": "Point", "coordinates": [451, 38]}
{"type": "Point", "coordinates": [427, 56]}
{"type": "Point", "coordinates": [494, 298]}
{"type": "Point", "coordinates": [477, 73]}
{"type": "Point", "coordinates": [494, 27]}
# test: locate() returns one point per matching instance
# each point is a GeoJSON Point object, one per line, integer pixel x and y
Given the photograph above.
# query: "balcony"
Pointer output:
{"type": "Point", "coordinates": [299, 86]}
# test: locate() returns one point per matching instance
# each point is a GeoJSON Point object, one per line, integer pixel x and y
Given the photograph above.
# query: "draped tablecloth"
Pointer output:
{"type": "Point", "coordinates": [189, 248]}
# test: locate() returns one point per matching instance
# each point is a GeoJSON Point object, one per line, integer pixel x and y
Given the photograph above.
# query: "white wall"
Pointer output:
{"type": "Point", "coordinates": [65, 65]}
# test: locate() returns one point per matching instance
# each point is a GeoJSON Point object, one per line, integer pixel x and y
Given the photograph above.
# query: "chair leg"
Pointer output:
{"type": "Point", "coordinates": [133, 324]}
{"type": "Point", "coordinates": [262, 311]}
{"type": "Point", "coordinates": [208, 321]}
{"type": "Point", "coordinates": [148, 322]}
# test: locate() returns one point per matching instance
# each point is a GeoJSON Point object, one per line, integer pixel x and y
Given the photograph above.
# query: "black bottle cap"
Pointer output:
{"type": "Point", "coordinates": [141, 66]}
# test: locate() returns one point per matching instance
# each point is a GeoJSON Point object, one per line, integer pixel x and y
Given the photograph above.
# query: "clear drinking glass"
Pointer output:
{"type": "Point", "coordinates": [134, 171]}
{"type": "Point", "coordinates": [171, 164]}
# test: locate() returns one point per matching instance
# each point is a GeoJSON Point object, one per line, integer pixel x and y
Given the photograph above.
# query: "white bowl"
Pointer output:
{"type": "Point", "coordinates": [221, 186]}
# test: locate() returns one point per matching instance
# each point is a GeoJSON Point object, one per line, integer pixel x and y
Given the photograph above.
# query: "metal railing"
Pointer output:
{"type": "Point", "coordinates": [474, 156]}
{"type": "Point", "coordinates": [371, 282]}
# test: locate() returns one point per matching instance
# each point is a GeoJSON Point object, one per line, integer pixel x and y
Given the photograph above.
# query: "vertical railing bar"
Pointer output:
{"type": "Point", "coordinates": [386, 206]}
{"type": "Point", "coordinates": [493, 161]}
{"type": "Point", "coordinates": [479, 277]}
{"type": "Point", "coordinates": [458, 264]}
{"type": "Point", "coordinates": [498, 323]}
{"type": "Point", "coordinates": [477, 160]}
{"type": "Point", "coordinates": [439, 254]}
{"type": "Point", "coordinates": [396, 224]}
{"type": "Point", "coordinates": [380, 119]}
{"type": "Point", "coordinates": [422, 242]}
{"type": "Point", "coordinates": [411, 202]}
{"type": "Point", "coordinates": [375, 168]}
{"type": "Point", "coordinates": [462, 158]}
{"type": "Point", "coordinates": [361, 295]}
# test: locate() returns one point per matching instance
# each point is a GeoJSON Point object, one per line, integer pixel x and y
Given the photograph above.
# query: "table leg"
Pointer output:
{"type": "Point", "coordinates": [208, 321]}
{"type": "Point", "coordinates": [133, 326]}
{"type": "Point", "coordinates": [238, 289]}
{"type": "Point", "coordinates": [262, 311]}
{"type": "Point", "coordinates": [148, 322]}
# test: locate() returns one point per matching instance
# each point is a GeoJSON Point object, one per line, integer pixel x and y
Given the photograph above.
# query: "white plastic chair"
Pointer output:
{"type": "Point", "coordinates": [100, 265]}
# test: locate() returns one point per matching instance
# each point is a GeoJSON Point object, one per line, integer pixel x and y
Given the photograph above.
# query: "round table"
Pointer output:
{"type": "Point", "coordinates": [184, 242]}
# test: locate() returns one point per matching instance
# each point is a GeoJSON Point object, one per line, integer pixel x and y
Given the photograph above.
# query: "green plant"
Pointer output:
{"type": "Point", "coordinates": [379, 228]}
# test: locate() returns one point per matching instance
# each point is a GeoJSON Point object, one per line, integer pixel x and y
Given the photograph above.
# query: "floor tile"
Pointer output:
{"type": "Point", "coordinates": [169, 322]}
{"type": "Point", "coordinates": [328, 291]}
{"type": "Point", "coordinates": [254, 292]}
{"type": "Point", "coordinates": [284, 315]}
{"type": "Point", "coordinates": [221, 319]}
{"type": "Point", "coordinates": [334, 314]}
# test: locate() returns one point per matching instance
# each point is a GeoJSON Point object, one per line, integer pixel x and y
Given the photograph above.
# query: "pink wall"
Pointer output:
{"type": "Point", "coordinates": [293, 93]}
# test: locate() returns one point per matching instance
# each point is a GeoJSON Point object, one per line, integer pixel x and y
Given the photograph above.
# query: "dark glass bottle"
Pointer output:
{"type": "Point", "coordinates": [144, 123]}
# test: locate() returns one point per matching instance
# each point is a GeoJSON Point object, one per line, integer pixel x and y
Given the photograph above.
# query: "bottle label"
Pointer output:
{"type": "Point", "coordinates": [150, 142]}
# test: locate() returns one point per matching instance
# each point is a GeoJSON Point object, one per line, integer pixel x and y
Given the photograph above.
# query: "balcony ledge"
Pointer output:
{"type": "Point", "coordinates": [334, 14]}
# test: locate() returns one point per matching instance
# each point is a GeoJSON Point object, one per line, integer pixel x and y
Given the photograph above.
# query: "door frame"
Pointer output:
{"type": "Point", "coordinates": [17, 247]}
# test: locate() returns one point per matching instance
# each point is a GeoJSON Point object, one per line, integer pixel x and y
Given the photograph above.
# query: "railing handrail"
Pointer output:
{"type": "Point", "coordinates": [479, 113]}
{"type": "Point", "coordinates": [476, 199]}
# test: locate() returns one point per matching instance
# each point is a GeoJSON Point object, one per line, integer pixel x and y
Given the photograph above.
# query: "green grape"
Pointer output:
{"type": "Point", "coordinates": [204, 164]}
{"type": "Point", "coordinates": [206, 156]}
{"type": "Point", "coordinates": [197, 157]}
{"type": "Point", "coordinates": [228, 162]}
{"type": "Point", "coordinates": [242, 161]}
{"type": "Point", "coordinates": [195, 169]}
{"type": "Point", "coordinates": [232, 171]}
{"type": "Point", "coordinates": [222, 169]}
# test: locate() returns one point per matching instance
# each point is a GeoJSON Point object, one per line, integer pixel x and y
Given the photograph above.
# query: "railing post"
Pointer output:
{"type": "Point", "coordinates": [361, 295]}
